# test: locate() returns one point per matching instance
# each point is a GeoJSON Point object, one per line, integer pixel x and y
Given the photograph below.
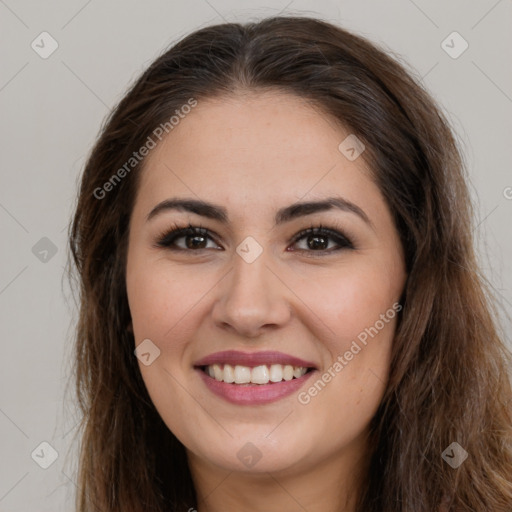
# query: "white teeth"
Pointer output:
{"type": "Point", "coordinates": [276, 373]}
{"type": "Point", "coordinates": [288, 372]}
{"type": "Point", "coordinates": [217, 372]}
{"type": "Point", "coordinates": [297, 372]}
{"type": "Point", "coordinates": [229, 374]}
{"type": "Point", "coordinates": [242, 374]}
{"type": "Point", "coordinates": [262, 374]}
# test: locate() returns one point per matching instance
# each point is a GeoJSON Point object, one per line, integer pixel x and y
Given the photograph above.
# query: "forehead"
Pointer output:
{"type": "Point", "coordinates": [254, 149]}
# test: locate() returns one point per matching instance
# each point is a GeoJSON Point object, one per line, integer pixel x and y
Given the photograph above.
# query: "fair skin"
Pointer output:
{"type": "Point", "coordinates": [254, 154]}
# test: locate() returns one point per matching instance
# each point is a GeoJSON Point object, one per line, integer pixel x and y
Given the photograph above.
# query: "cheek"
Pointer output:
{"type": "Point", "coordinates": [351, 301]}
{"type": "Point", "coordinates": [359, 306]}
{"type": "Point", "coordinates": [160, 298]}
{"type": "Point", "coordinates": [361, 311]}
{"type": "Point", "coordinates": [159, 301]}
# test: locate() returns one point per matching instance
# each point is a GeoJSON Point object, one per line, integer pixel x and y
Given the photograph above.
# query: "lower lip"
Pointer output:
{"type": "Point", "coordinates": [255, 394]}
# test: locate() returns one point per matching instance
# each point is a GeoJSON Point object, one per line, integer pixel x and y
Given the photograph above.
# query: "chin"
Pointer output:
{"type": "Point", "coordinates": [256, 454]}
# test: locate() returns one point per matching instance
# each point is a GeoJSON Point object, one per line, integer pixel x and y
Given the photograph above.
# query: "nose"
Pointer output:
{"type": "Point", "coordinates": [251, 299]}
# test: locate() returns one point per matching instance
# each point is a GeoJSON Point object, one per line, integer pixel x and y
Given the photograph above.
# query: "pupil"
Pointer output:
{"type": "Point", "coordinates": [314, 243]}
{"type": "Point", "coordinates": [194, 243]}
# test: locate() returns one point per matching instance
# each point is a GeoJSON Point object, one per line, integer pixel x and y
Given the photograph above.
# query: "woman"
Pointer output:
{"type": "Point", "coordinates": [280, 305]}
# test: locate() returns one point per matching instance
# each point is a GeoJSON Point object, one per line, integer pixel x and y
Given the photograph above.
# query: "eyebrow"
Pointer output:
{"type": "Point", "coordinates": [295, 210]}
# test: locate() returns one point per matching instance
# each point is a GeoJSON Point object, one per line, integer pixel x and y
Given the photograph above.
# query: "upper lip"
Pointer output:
{"type": "Point", "coordinates": [251, 359]}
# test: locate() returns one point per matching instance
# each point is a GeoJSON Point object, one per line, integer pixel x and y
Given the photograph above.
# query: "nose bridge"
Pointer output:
{"type": "Point", "coordinates": [250, 276]}
{"type": "Point", "coordinates": [251, 296]}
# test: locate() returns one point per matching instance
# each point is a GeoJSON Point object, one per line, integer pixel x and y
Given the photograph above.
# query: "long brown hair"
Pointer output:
{"type": "Point", "coordinates": [449, 379]}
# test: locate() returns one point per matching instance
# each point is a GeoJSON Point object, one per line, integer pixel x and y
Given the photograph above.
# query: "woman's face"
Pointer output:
{"type": "Point", "coordinates": [251, 298]}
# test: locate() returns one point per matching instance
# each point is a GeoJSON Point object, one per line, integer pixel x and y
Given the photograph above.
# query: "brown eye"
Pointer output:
{"type": "Point", "coordinates": [196, 238]}
{"type": "Point", "coordinates": [318, 239]}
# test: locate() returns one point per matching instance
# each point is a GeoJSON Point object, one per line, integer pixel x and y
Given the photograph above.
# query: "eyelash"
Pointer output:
{"type": "Point", "coordinates": [167, 239]}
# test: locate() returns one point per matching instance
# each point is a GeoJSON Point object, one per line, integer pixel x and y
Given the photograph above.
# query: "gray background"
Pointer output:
{"type": "Point", "coordinates": [52, 109]}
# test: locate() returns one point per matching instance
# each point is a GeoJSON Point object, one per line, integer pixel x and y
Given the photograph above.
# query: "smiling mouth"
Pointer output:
{"type": "Point", "coordinates": [259, 375]}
